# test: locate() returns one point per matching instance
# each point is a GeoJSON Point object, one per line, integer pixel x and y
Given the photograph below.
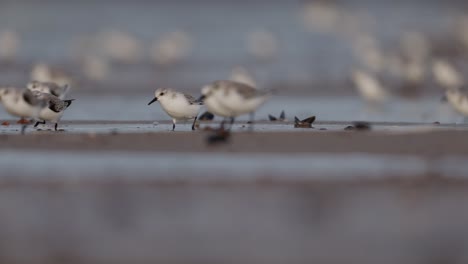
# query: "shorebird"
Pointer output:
{"type": "Point", "coordinates": [54, 110]}
{"type": "Point", "coordinates": [369, 87]}
{"type": "Point", "coordinates": [9, 45]}
{"type": "Point", "coordinates": [171, 48]}
{"type": "Point", "coordinates": [242, 75]}
{"type": "Point", "coordinates": [446, 75]}
{"type": "Point", "coordinates": [50, 88]}
{"type": "Point", "coordinates": [262, 44]}
{"type": "Point", "coordinates": [179, 106]}
{"type": "Point", "coordinates": [215, 107]}
{"type": "Point", "coordinates": [232, 99]}
{"type": "Point", "coordinates": [21, 103]}
{"type": "Point", "coordinates": [44, 73]}
{"type": "Point", "coordinates": [119, 46]}
{"type": "Point", "coordinates": [458, 99]}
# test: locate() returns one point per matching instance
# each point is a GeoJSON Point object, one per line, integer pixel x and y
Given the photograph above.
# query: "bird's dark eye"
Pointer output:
{"type": "Point", "coordinates": [161, 94]}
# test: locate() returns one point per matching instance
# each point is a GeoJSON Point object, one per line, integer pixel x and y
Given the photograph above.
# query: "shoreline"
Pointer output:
{"type": "Point", "coordinates": [424, 140]}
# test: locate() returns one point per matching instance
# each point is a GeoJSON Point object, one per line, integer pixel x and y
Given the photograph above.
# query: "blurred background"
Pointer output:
{"type": "Point", "coordinates": [302, 48]}
{"type": "Point", "coordinates": [323, 197]}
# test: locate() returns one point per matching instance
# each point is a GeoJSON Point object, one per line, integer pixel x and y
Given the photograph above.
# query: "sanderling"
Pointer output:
{"type": "Point", "coordinates": [367, 50]}
{"type": "Point", "coordinates": [54, 110]}
{"type": "Point", "coordinates": [232, 99]}
{"type": "Point", "coordinates": [106, 47]}
{"type": "Point", "coordinates": [49, 88]}
{"type": "Point", "coordinates": [120, 46]}
{"type": "Point", "coordinates": [214, 106]}
{"type": "Point", "coordinates": [96, 68]}
{"type": "Point", "coordinates": [323, 17]}
{"type": "Point", "coordinates": [44, 73]}
{"type": "Point", "coordinates": [369, 87]}
{"type": "Point", "coordinates": [9, 45]}
{"type": "Point", "coordinates": [262, 44]}
{"type": "Point", "coordinates": [446, 75]}
{"type": "Point", "coordinates": [171, 48]}
{"type": "Point", "coordinates": [242, 75]}
{"type": "Point", "coordinates": [22, 103]}
{"type": "Point", "coordinates": [414, 46]}
{"type": "Point", "coordinates": [458, 99]}
{"type": "Point", "coordinates": [179, 106]}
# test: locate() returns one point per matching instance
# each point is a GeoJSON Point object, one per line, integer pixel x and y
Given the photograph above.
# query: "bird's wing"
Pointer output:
{"type": "Point", "coordinates": [192, 100]}
{"type": "Point", "coordinates": [56, 104]}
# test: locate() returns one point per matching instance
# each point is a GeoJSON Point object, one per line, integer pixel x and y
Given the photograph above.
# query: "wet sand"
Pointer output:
{"type": "Point", "coordinates": [92, 194]}
{"type": "Point", "coordinates": [254, 223]}
{"type": "Point", "coordinates": [425, 140]}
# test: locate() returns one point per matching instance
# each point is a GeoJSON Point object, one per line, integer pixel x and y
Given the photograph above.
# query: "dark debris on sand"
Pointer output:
{"type": "Point", "coordinates": [282, 117]}
{"type": "Point", "coordinates": [359, 126]}
{"type": "Point", "coordinates": [305, 123]}
{"type": "Point", "coordinates": [206, 116]}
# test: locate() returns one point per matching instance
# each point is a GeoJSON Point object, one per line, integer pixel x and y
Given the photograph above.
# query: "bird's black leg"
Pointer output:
{"type": "Point", "coordinates": [173, 124]}
{"type": "Point", "coordinates": [231, 122]}
{"type": "Point", "coordinates": [23, 129]}
{"type": "Point", "coordinates": [55, 127]}
{"type": "Point", "coordinates": [39, 122]}
{"type": "Point", "coordinates": [194, 121]}
{"type": "Point", "coordinates": [221, 126]}
{"type": "Point", "coordinates": [252, 117]}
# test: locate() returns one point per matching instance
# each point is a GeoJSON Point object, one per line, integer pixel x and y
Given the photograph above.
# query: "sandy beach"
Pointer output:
{"type": "Point", "coordinates": [132, 192]}
{"type": "Point", "coordinates": [425, 140]}
{"type": "Point", "coordinates": [116, 186]}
